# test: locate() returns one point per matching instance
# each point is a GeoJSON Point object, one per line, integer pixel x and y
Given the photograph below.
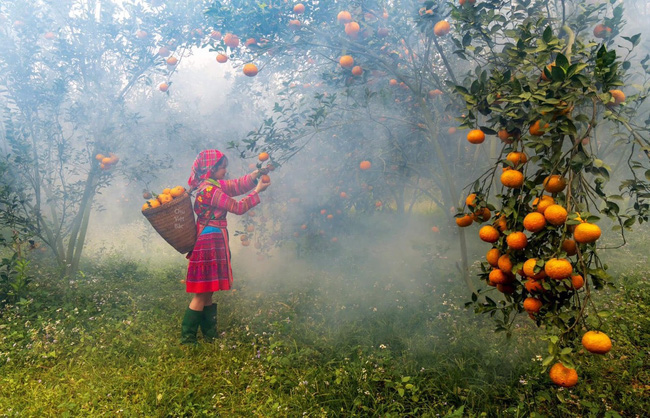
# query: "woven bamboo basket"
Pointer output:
{"type": "Point", "coordinates": [174, 221]}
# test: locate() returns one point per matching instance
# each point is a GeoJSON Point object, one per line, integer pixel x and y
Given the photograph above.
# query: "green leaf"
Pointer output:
{"type": "Point", "coordinates": [562, 62]}
{"type": "Point", "coordinates": [548, 34]}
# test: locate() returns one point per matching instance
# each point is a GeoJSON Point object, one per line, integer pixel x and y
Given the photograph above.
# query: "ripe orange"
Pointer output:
{"type": "Point", "coordinates": [352, 29]}
{"type": "Point", "coordinates": [243, 237]}
{"type": "Point", "coordinates": [250, 228]}
{"type": "Point", "coordinates": [492, 257]}
{"type": "Point", "coordinates": [177, 191]}
{"type": "Point", "coordinates": [294, 24]}
{"type": "Point", "coordinates": [517, 158]}
{"type": "Point", "coordinates": [505, 264]}
{"type": "Point", "coordinates": [265, 178]}
{"type": "Point", "coordinates": [501, 223]}
{"type": "Point", "coordinates": [555, 215]}
{"type": "Point", "coordinates": [357, 70]}
{"type": "Point", "coordinates": [534, 222]}
{"type": "Point", "coordinates": [554, 183]}
{"type": "Point", "coordinates": [299, 9]}
{"type": "Point", "coordinates": [99, 157]}
{"type": "Point", "coordinates": [517, 240]}
{"type": "Point", "coordinates": [163, 87]}
{"type": "Point", "coordinates": [596, 342]}
{"type": "Point", "coordinates": [507, 137]}
{"type": "Point", "coordinates": [602, 31]}
{"type": "Point", "coordinates": [164, 198]}
{"type": "Point", "coordinates": [464, 221]}
{"type": "Point", "coordinates": [482, 215]}
{"type": "Point", "coordinates": [558, 268]}
{"type": "Point", "coordinates": [346, 61]}
{"type": "Point", "coordinates": [476, 136]}
{"type": "Point", "coordinates": [577, 281]}
{"type": "Point", "coordinates": [245, 243]}
{"type": "Point", "coordinates": [107, 161]}
{"type": "Point", "coordinates": [146, 206]}
{"type": "Point", "coordinates": [497, 276]}
{"type": "Point", "coordinates": [570, 247]}
{"type": "Point", "coordinates": [532, 305]}
{"type": "Point", "coordinates": [534, 286]}
{"type": "Point", "coordinates": [167, 191]}
{"type": "Point", "coordinates": [250, 70]}
{"type": "Point", "coordinates": [563, 376]}
{"type": "Point", "coordinates": [365, 165]}
{"type": "Point", "coordinates": [221, 58]}
{"type": "Point", "coordinates": [263, 156]}
{"type": "Point", "coordinates": [586, 233]}
{"type": "Point", "coordinates": [529, 269]}
{"type": "Point", "coordinates": [541, 206]}
{"type": "Point", "coordinates": [172, 61]}
{"type": "Point", "coordinates": [215, 34]}
{"type": "Point", "coordinates": [441, 28]}
{"type": "Point", "coordinates": [392, 82]}
{"type": "Point", "coordinates": [470, 201]}
{"type": "Point", "coordinates": [231, 40]}
{"type": "Point", "coordinates": [536, 130]}
{"type": "Point", "coordinates": [488, 234]}
{"type": "Point", "coordinates": [154, 203]}
{"type": "Point", "coordinates": [344, 17]}
{"type": "Point", "coordinates": [618, 95]}
{"type": "Point", "coordinates": [512, 178]}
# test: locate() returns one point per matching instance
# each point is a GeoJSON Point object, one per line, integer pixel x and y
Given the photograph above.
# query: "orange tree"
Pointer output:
{"type": "Point", "coordinates": [370, 73]}
{"type": "Point", "coordinates": [67, 75]}
{"type": "Point", "coordinates": [550, 82]}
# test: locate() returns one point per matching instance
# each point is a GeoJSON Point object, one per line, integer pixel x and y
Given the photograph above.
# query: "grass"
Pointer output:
{"type": "Point", "coordinates": [346, 340]}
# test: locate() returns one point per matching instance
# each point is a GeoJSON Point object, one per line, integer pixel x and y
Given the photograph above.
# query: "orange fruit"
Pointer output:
{"type": "Point", "coordinates": [166, 191]}
{"type": "Point", "coordinates": [352, 29]}
{"type": "Point", "coordinates": [245, 243]}
{"type": "Point", "coordinates": [464, 221]}
{"type": "Point", "coordinates": [221, 58]}
{"type": "Point", "coordinates": [146, 206]}
{"type": "Point", "coordinates": [99, 157]}
{"type": "Point", "coordinates": [441, 28]}
{"type": "Point", "coordinates": [250, 70]}
{"type": "Point", "coordinates": [501, 223]}
{"type": "Point", "coordinates": [488, 234]}
{"type": "Point", "coordinates": [177, 191]}
{"type": "Point", "coordinates": [294, 24]}
{"type": "Point", "coordinates": [392, 82]}
{"type": "Point", "coordinates": [596, 342]}
{"type": "Point", "coordinates": [497, 276]}
{"type": "Point", "coordinates": [586, 233]}
{"type": "Point", "coordinates": [534, 286]}
{"type": "Point", "coordinates": [165, 198]}
{"type": "Point", "coordinates": [107, 161]}
{"type": "Point", "coordinates": [558, 268]}
{"type": "Point", "coordinates": [554, 183]}
{"type": "Point", "coordinates": [163, 87]}
{"type": "Point", "coordinates": [536, 130]}
{"type": "Point", "coordinates": [243, 237]}
{"type": "Point", "coordinates": [570, 247]}
{"type": "Point", "coordinates": [365, 165]}
{"type": "Point", "coordinates": [517, 158]}
{"type": "Point", "coordinates": [476, 136]}
{"type": "Point", "coordinates": [505, 264]}
{"type": "Point", "coordinates": [529, 269]}
{"type": "Point", "coordinates": [532, 305]}
{"type": "Point", "coordinates": [265, 178]}
{"type": "Point", "coordinates": [346, 61]}
{"type": "Point", "coordinates": [543, 204]}
{"type": "Point", "coordinates": [482, 215]}
{"type": "Point", "coordinates": [492, 257]}
{"type": "Point", "coordinates": [534, 222]}
{"type": "Point", "coordinates": [215, 34]}
{"type": "Point", "coordinates": [344, 17]}
{"type": "Point", "coordinates": [357, 70]}
{"type": "Point", "coordinates": [263, 156]}
{"type": "Point", "coordinates": [563, 376]}
{"type": "Point", "coordinates": [231, 40]}
{"type": "Point", "coordinates": [618, 95]}
{"type": "Point", "coordinates": [299, 9]}
{"type": "Point", "coordinates": [154, 203]}
{"type": "Point", "coordinates": [172, 61]}
{"type": "Point", "coordinates": [577, 281]}
{"type": "Point", "coordinates": [250, 228]}
{"type": "Point", "coordinates": [470, 201]}
{"type": "Point", "coordinates": [517, 240]}
{"type": "Point", "coordinates": [602, 31]}
{"type": "Point", "coordinates": [434, 93]}
{"type": "Point", "coordinates": [512, 178]}
{"type": "Point", "coordinates": [506, 288]}
{"type": "Point", "coordinates": [555, 215]}
{"type": "Point", "coordinates": [164, 52]}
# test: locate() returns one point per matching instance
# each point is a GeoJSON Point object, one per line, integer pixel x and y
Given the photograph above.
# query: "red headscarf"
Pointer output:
{"type": "Point", "coordinates": [203, 165]}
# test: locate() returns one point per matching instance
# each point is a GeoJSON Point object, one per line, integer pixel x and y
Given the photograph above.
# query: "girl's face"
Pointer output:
{"type": "Point", "coordinates": [220, 173]}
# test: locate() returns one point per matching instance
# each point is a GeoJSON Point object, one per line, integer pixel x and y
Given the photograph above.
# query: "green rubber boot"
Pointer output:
{"type": "Point", "coordinates": [190, 326]}
{"type": "Point", "coordinates": [209, 322]}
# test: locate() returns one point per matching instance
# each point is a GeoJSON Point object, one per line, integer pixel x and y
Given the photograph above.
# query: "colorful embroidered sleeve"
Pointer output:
{"type": "Point", "coordinates": [222, 201]}
{"type": "Point", "coordinates": [238, 186]}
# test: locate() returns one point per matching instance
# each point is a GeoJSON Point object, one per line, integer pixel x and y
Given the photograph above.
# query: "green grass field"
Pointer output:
{"type": "Point", "coordinates": [304, 341]}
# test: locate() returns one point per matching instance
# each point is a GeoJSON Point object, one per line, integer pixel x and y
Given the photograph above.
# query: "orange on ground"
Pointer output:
{"type": "Point", "coordinates": [504, 263]}
{"type": "Point", "coordinates": [563, 376]}
{"type": "Point", "coordinates": [618, 95]}
{"type": "Point", "coordinates": [529, 269]}
{"type": "Point", "coordinates": [489, 234]}
{"type": "Point", "coordinates": [541, 206]}
{"type": "Point", "coordinates": [570, 247]}
{"type": "Point", "coordinates": [512, 178]}
{"type": "Point", "coordinates": [441, 28]}
{"type": "Point", "coordinates": [558, 268]}
{"type": "Point", "coordinates": [596, 342]}
{"type": "Point", "coordinates": [464, 221]}
{"type": "Point", "coordinates": [299, 9]}
{"type": "Point", "coordinates": [554, 183]}
{"type": "Point", "coordinates": [250, 70]}
{"type": "Point", "coordinates": [352, 29]}
{"type": "Point", "coordinates": [221, 58]}
{"type": "Point", "coordinates": [555, 215]}
{"type": "Point", "coordinates": [344, 17]}
{"type": "Point", "coordinates": [492, 257]}
{"type": "Point", "coordinates": [536, 130]}
{"type": "Point", "coordinates": [517, 240]}
{"type": "Point", "coordinates": [534, 222]}
{"type": "Point", "coordinates": [263, 156]}
{"type": "Point", "coordinates": [365, 165]}
{"type": "Point", "coordinates": [532, 305]}
{"type": "Point", "coordinates": [517, 158]}
{"type": "Point", "coordinates": [577, 281]}
{"type": "Point", "coordinates": [346, 61]}
{"type": "Point", "coordinates": [357, 70]}
{"type": "Point", "coordinates": [586, 233]}
{"type": "Point", "coordinates": [177, 191]}
{"type": "Point", "coordinates": [476, 136]}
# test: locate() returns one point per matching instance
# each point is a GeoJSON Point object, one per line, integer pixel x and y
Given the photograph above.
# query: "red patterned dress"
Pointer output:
{"type": "Point", "coordinates": [209, 269]}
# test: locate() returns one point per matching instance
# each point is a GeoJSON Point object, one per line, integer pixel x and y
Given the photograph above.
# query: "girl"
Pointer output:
{"type": "Point", "coordinates": [209, 268]}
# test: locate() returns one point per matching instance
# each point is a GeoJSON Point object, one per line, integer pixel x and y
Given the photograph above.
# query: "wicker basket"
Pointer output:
{"type": "Point", "coordinates": [174, 221]}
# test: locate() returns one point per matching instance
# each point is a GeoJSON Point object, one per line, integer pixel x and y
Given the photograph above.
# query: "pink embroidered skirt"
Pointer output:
{"type": "Point", "coordinates": [209, 269]}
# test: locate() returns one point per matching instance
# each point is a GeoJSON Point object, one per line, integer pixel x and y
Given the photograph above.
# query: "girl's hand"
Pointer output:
{"type": "Point", "coordinates": [261, 187]}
